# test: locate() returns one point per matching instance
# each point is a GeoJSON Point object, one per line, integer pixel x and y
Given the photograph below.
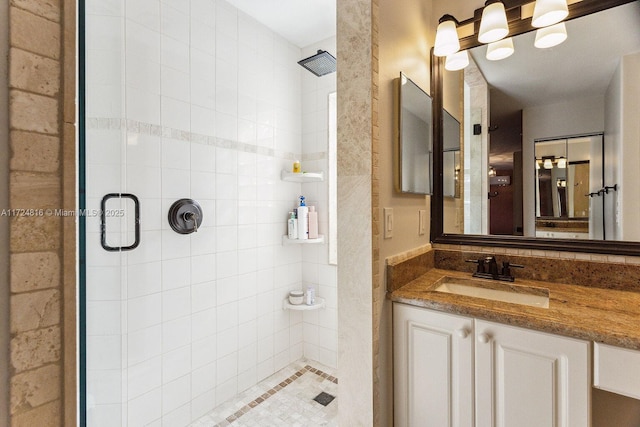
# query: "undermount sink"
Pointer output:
{"type": "Point", "coordinates": [494, 290]}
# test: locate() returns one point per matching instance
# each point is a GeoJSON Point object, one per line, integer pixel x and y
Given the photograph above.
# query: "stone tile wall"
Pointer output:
{"type": "Point", "coordinates": [37, 245]}
{"type": "Point", "coordinates": [378, 300]}
{"type": "Point", "coordinates": [356, 118]}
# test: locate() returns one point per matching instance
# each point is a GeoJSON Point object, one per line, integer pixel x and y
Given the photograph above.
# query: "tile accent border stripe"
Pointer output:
{"type": "Point", "coordinates": [142, 128]}
{"type": "Point", "coordinates": [266, 395]}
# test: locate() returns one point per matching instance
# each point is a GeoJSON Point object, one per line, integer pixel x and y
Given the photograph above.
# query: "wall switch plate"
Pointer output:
{"type": "Point", "coordinates": [422, 222]}
{"type": "Point", "coordinates": [388, 223]}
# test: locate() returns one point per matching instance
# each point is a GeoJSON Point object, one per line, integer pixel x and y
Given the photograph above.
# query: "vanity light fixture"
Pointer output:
{"type": "Point", "coordinates": [548, 163]}
{"type": "Point", "coordinates": [493, 25]}
{"type": "Point", "coordinates": [550, 36]}
{"type": "Point", "coordinates": [537, 164]}
{"type": "Point", "coordinates": [457, 61]}
{"type": "Point", "coordinates": [447, 42]}
{"type": "Point", "coordinates": [549, 12]}
{"type": "Point", "coordinates": [562, 163]}
{"type": "Point", "coordinates": [500, 50]}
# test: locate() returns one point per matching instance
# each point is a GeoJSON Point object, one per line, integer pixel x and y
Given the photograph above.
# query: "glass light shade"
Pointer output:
{"type": "Point", "coordinates": [500, 49]}
{"type": "Point", "coordinates": [549, 12]}
{"type": "Point", "coordinates": [493, 26]}
{"type": "Point", "coordinates": [447, 42]}
{"type": "Point", "coordinates": [537, 165]}
{"type": "Point", "coordinates": [457, 61]}
{"type": "Point", "coordinates": [550, 36]}
{"type": "Point", "coordinates": [548, 164]}
{"type": "Point", "coordinates": [562, 163]}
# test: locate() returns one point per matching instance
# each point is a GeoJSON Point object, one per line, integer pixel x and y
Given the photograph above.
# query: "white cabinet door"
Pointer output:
{"type": "Point", "coordinates": [433, 368]}
{"type": "Point", "coordinates": [530, 379]}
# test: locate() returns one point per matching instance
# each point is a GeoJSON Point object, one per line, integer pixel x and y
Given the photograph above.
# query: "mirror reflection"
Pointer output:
{"type": "Point", "coordinates": [415, 138]}
{"type": "Point", "coordinates": [451, 155]}
{"type": "Point", "coordinates": [550, 135]}
{"type": "Point", "coordinates": [569, 203]}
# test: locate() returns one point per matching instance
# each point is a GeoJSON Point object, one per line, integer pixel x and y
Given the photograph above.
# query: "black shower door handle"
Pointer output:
{"type": "Point", "coordinates": [103, 222]}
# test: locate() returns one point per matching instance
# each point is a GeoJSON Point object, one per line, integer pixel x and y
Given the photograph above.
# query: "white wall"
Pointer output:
{"type": "Point", "coordinates": [577, 116]}
{"type": "Point", "coordinates": [320, 326]}
{"type": "Point", "coordinates": [622, 149]}
{"type": "Point", "coordinates": [4, 221]}
{"type": "Point", "coordinates": [629, 195]}
{"type": "Point", "coordinates": [211, 108]}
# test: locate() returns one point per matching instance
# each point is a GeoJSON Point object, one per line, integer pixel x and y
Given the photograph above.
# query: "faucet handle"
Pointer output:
{"type": "Point", "coordinates": [506, 267]}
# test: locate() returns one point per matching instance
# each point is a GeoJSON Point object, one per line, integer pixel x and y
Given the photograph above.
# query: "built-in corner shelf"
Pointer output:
{"type": "Point", "coordinates": [302, 176]}
{"type": "Point", "coordinates": [287, 241]}
{"type": "Point", "coordinates": [320, 303]}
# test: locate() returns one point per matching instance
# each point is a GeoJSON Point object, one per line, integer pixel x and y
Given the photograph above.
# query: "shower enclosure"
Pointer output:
{"type": "Point", "coordinates": [194, 100]}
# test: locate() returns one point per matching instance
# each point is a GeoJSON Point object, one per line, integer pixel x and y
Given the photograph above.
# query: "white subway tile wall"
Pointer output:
{"type": "Point", "coordinates": [195, 99]}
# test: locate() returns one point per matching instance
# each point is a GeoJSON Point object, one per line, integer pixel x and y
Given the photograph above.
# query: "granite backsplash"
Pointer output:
{"type": "Point", "coordinates": [403, 269]}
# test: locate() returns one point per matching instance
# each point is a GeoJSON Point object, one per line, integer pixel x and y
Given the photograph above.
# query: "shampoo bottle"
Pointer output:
{"type": "Point", "coordinates": [303, 220]}
{"type": "Point", "coordinates": [313, 223]}
{"type": "Point", "coordinates": [292, 226]}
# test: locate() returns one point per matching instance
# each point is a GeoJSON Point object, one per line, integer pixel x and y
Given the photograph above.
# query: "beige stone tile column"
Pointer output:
{"type": "Point", "coordinates": [357, 124]}
{"type": "Point", "coordinates": [37, 245]}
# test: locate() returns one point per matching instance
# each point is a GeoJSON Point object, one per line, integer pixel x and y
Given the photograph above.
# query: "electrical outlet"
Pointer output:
{"type": "Point", "coordinates": [388, 223]}
{"type": "Point", "coordinates": [422, 222]}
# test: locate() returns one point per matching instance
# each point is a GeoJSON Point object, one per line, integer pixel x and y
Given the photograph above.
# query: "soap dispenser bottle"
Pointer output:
{"type": "Point", "coordinates": [303, 220]}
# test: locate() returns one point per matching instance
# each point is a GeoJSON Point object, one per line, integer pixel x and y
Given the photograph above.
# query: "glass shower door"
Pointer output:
{"type": "Point", "coordinates": [102, 172]}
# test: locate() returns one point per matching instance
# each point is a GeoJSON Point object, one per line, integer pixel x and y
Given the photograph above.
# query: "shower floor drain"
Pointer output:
{"type": "Point", "coordinates": [324, 398]}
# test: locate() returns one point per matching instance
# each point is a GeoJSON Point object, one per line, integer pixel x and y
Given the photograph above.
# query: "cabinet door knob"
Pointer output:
{"type": "Point", "coordinates": [462, 332]}
{"type": "Point", "coordinates": [484, 338]}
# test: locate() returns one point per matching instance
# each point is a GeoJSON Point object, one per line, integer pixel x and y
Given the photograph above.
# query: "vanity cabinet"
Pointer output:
{"type": "Point", "coordinates": [616, 370]}
{"type": "Point", "coordinates": [433, 368]}
{"type": "Point", "coordinates": [446, 365]}
{"type": "Point", "coordinates": [527, 378]}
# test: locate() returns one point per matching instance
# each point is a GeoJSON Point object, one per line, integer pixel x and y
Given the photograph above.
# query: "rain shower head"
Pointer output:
{"type": "Point", "coordinates": [320, 64]}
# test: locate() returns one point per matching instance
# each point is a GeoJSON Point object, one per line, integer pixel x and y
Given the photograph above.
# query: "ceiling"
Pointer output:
{"type": "Point", "coordinates": [302, 22]}
{"type": "Point", "coordinates": [581, 66]}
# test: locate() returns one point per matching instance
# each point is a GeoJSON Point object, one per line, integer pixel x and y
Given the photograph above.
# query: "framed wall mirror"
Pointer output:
{"type": "Point", "coordinates": [516, 111]}
{"type": "Point", "coordinates": [415, 143]}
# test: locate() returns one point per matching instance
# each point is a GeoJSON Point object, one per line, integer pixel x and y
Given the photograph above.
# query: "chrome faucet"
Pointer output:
{"type": "Point", "coordinates": [488, 269]}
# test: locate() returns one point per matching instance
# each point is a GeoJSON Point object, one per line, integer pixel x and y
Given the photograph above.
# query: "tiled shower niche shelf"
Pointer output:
{"type": "Point", "coordinates": [287, 241]}
{"type": "Point", "coordinates": [320, 303]}
{"type": "Point", "coordinates": [302, 176]}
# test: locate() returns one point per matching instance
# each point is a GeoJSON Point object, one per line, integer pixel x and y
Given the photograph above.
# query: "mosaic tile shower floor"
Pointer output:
{"type": "Point", "coordinates": [284, 399]}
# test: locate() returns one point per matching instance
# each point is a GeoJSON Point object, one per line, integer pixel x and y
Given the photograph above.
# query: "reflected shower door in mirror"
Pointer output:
{"type": "Point", "coordinates": [415, 138]}
{"type": "Point", "coordinates": [569, 179]}
{"type": "Point", "coordinates": [512, 108]}
{"type": "Point", "coordinates": [451, 171]}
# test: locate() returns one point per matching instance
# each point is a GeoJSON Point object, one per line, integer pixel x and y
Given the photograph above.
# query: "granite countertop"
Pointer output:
{"type": "Point", "coordinates": [600, 315]}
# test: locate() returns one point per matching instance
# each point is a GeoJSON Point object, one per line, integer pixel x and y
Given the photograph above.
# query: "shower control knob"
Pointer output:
{"type": "Point", "coordinates": [185, 216]}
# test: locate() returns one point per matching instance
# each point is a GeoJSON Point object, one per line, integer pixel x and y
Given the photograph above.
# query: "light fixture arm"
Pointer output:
{"type": "Point", "coordinates": [447, 17]}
